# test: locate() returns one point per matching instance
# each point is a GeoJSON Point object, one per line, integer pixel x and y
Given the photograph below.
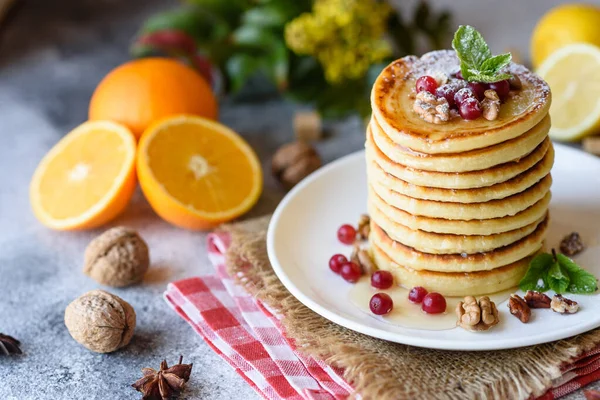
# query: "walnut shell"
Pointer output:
{"type": "Point", "coordinates": [100, 321]}
{"type": "Point", "coordinates": [118, 257]}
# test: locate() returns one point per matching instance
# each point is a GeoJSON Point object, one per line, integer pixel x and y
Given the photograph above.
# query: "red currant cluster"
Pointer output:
{"type": "Point", "coordinates": [380, 303]}
{"type": "Point", "coordinates": [431, 303]}
{"type": "Point", "coordinates": [462, 96]}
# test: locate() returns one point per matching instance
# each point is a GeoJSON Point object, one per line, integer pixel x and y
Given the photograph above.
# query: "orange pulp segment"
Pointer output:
{"type": "Point", "coordinates": [197, 173]}
{"type": "Point", "coordinates": [87, 178]}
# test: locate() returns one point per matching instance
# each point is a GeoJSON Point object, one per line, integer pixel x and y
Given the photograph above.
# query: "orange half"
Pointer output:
{"type": "Point", "coordinates": [86, 179]}
{"type": "Point", "coordinates": [197, 173]}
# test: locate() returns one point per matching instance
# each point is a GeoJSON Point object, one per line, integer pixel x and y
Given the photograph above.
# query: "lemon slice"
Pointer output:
{"type": "Point", "coordinates": [573, 74]}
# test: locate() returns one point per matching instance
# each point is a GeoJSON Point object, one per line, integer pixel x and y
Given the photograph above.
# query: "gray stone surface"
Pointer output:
{"type": "Point", "coordinates": [52, 55]}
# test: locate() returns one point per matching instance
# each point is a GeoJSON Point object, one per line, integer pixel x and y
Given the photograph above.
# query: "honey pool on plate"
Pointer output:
{"type": "Point", "coordinates": [408, 314]}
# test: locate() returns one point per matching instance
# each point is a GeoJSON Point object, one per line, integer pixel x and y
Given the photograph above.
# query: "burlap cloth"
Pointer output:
{"type": "Point", "coordinates": [382, 370]}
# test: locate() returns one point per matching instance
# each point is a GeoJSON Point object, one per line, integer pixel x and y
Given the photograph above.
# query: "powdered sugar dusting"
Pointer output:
{"type": "Point", "coordinates": [446, 62]}
{"type": "Point", "coordinates": [534, 94]}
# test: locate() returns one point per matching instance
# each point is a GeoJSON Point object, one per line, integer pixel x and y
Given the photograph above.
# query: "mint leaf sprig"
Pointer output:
{"type": "Point", "coordinates": [476, 61]}
{"type": "Point", "coordinates": [559, 273]}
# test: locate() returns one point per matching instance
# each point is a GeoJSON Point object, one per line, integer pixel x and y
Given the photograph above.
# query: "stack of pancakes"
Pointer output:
{"type": "Point", "coordinates": [460, 207]}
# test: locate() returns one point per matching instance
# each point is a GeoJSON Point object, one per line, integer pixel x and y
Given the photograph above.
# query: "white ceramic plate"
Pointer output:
{"type": "Point", "coordinates": [302, 237]}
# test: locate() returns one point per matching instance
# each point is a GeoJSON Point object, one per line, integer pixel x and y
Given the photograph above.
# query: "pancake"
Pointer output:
{"type": "Point", "coordinates": [454, 284]}
{"type": "Point", "coordinates": [472, 160]}
{"type": "Point", "coordinates": [417, 260]}
{"type": "Point", "coordinates": [393, 95]}
{"type": "Point", "coordinates": [450, 180]}
{"type": "Point", "coordinates": [472, 227]}
{"type": "Point", "coordinates": [490, 209]}
{"type": "Point", "coordinates": [475, 195]}
{"type": "Point", "coordinates": [444, 243]}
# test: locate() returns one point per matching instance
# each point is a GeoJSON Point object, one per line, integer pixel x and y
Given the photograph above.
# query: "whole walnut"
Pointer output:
{"type": "Point", "coordinates": [294, 161]}
{"type": "Point", "coordinates": [100, 321]}
{"type": "Point", "coordinates": [118, 257]}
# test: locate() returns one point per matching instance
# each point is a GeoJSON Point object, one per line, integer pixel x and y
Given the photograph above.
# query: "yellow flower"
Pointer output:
{"type": "Point", "coordinates": [346, 36]}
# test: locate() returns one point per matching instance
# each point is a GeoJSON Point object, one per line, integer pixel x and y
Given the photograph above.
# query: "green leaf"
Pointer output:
{"type": "Point", "coordinates": [536, 276]}
{"type": "Point", "coordinates": [185, 19]}
{"type": "Point", "coordinates": [557, 279]}
{"type": "Point", "coordinates": [470, 47]}
{"type": "Point", "coordinates": [560, 274]}
{"type": "Point", "coordinates": [476, 61]}
{"type": "Point", "coordinates": [240, 67]}
{"type": "Point", "coordinates": [253, 36]}
{"type": "Point", "coordinates": [496, 63]}
{"type": "Point", "coordinates": [229, 11]}
{"type": "Point", "coordinates": [477, 76]}
{"type": "Point", "coordinates": [264, 17]}
{"type": "Point", "coordinates": [278, 65]}
{"type": "Point", "coordinates": [581, 281]}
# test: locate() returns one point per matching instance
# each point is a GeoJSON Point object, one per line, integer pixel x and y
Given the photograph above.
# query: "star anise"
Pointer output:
{"type": "Point", "coordinates": [164, 383]}
{"type": "Point", "coordinates": [9, 345]}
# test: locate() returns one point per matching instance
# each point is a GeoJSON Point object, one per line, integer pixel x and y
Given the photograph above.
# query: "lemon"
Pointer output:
{"type": "Point", "coordinates": [573, 74]}
{"type": "Point", "coordinates": [563, 25]}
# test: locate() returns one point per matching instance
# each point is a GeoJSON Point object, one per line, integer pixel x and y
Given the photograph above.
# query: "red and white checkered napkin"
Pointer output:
{"type": "Point", "coordinates": [248, 336]}
{"type": "Point", "coordinates": [244, 332]}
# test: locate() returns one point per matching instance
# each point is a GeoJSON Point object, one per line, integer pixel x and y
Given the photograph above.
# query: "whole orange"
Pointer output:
{"type": "Point", "coordinates": [142, 91]}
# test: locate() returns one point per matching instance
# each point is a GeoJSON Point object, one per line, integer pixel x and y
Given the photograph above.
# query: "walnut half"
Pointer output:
{"type": "Point", "coordinates": [477, 316]}
{"type": "Point", "coordinates": [562, 305]}
{"type": "Point", "coordinates": [490, 105]}
{"type": "Point", "coordinates": [435, 110]}
{"type": "Point", "coordinates": [364, 227]}
{"type": "Point", "coordinates": [362, 257]}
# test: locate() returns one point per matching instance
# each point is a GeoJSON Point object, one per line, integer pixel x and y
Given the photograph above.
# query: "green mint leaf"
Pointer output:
{"type": "Point", "coordinates": [581, 281]}
{"type": "Point", "coordinates": [477, 76]}
{"type": "Point", "coordinates": [470, 47]}
{"type": "Point", "coordinates": [536, 276]}
{"type": "Point", "coordinates": [557, 278]}
{"type": "Point", "coordinates": [496, 63]}
{"type": "Point", "coordinates": [476, 61]}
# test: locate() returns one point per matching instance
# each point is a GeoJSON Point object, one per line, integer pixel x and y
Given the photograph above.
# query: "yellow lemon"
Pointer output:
{"type": "Point", "coordinates": [573, 74]}
{"type": "Point", "coordinates": [563, 25]}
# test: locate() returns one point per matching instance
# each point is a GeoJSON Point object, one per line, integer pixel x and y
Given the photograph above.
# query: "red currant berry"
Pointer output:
{"type": "Point", "coordinates": [381, 303]}
{"type": "Point", "coordinates": [458, 75]}
{"type": "Point", "coordinates": [479, 89]}
{"type": "Point", "coordinates": [417, 294]}
{"type": "Point", "coordinates": [351, 272]}
{"type": "Point", "coordinates": [346, 234]}
{"type": "Point", "coordinates": [427, 83]}
{"type": "Point", "coordinates": [382, 279]}
{"type": "Point", "coordinates": [336, 261]}
{"type": "Point", "coordinates": [447, 92]}
{"type": "Point", "coordinates": [463, 94]}
{"type": "Point", "coordinates": [434, 303]}
{"type": "Point", "coordinates": [502, 88]}
{"type": "Point", "coordinates": [470, 109]}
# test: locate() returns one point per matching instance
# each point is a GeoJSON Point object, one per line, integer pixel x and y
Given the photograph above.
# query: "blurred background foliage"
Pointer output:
{"type": "Point", "coordinates": [323, 53]}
